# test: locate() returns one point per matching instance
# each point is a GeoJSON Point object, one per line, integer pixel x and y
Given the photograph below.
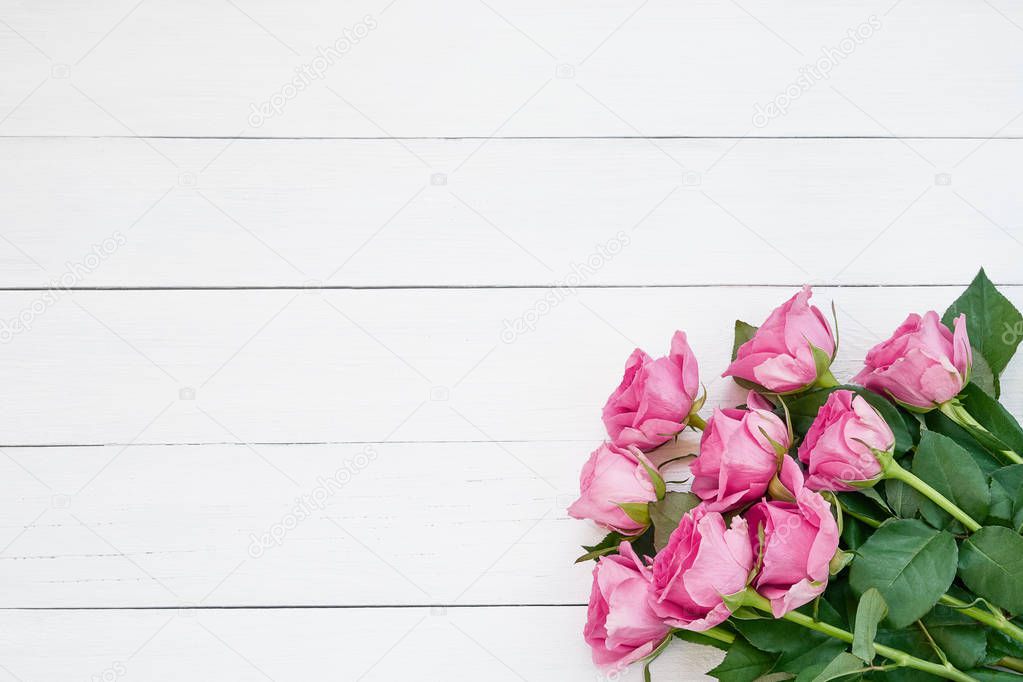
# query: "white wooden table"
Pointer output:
{"type": "Point", "coordinates": [303, 405]}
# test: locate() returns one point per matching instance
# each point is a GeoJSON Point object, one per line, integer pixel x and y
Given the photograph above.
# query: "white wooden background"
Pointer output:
{"type": "Point", "coordinates": [333, 285]}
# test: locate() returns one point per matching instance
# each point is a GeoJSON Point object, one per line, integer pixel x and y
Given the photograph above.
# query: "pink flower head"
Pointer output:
{"type": "Point", "coordinates": [779, 356]}
{"type": "Point", "coordinates": [621, 626]}
{"type": "Point", "coordinates": [703, 562]}
{"type": "Point", "coordinates": [737, 459]}
{"type": "Point", "coordinates": [922, 365]}
{"type": "Point", "coordinates": [655, 397]}
{"type": "Point", "coordinates": [613, 476]}
{"type": "Point", "coordinates": [839, 445]}
{"type": "Point", "coordinates": [799, 540]}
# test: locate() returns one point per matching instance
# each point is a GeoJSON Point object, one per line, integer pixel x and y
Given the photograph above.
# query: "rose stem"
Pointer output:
{"type": "Point", "coordinates": [1010, 663]}
{"type": "Point", "coordinates": [893, 470]}
{"type": "Point", "coordinates": [955, 411]}
{"type": "Point", "coordinates": [697, 422]}
{"type": "Point", "coordinates": [900, 657]}
{"type": "Point", "coordinates": [998, 622]}
{"type": "Point", "coordinates": [718, 634]}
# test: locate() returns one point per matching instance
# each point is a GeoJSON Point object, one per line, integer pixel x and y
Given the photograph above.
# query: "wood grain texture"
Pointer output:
{"type": "Point", "coordinates": [344, 644]}
{"type": "Point", "coordinates": [369, 366]}
{"type": "Point", "coordinates": [470, 68]}
{"type": "Point", "coordinates": [510, 212]}
{"type": "Point", "coordinates": [236, 525]}
{"type": "Point", "coordinates": [149, 435]}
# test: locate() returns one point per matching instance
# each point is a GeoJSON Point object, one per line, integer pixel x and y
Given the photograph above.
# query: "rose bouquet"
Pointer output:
{"type": "Point", "coordinates": [862, 531]}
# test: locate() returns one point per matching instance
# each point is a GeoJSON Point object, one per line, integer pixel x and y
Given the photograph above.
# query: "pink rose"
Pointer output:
{"type": "Point", "coordinates": [799, 540]}
{"type": "Point", "coordinates": [655, 397]}
{"type": "Point", "coordinates": [779, 356]}
{"type": "Point", "coordinates": [837, 447]}
{"type": "Point", "coordinates": [737, 460]}
{"type": "Point", "coordinates": [621, 626]}
{"type": "Point", "coordinates": [613, 476]}
{"type": "Point", "coordinates": [703, 562]}
{"type": "Point", "coordinates": [922, 365]}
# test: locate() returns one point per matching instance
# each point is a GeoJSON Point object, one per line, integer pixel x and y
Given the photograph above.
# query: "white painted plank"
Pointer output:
{"type": "Point", "coordinates": [371, 644]}
{"type": "Point", "coordinates": [235, 525]}
{"type": "Point", "coordinates": [364, 213]}
{"type": "Point", "coordinates": [230, 525]}
{"type": "Point", "coordinates": [409, 365]}
{"type": "Point", "coordinates": [463, 67]}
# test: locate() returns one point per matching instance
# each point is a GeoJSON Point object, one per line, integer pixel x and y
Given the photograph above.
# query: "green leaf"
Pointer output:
{"type": "Point", "coordinates": [903, 500]}
{"type": "Point", "coordinates": [824, 612]}
{"type": "Point", "coordinates": [743, 333]}
{"type": "Point", "coordinates": [841, 598]}
{"type": "Point", "coordinates": [962, 639]}
{"type": "Point", "coordinates": [871, 610]}
{"type": "Point", "coordinates": [873, 495]}
{"type": "Point", "coordinates": [843, 665]}
{"type": "Point", "coordinates": [666, 513]}
{"type": "Point", "coordinates": [939, 423]}
{"type": "Point", "coordinates": [910, 564]}
{"type": "Point", "coordinates": [982, 376]}
{"type": "Point", "coordinates": [743, 663]}
{"type": "Point", "coordinates": [805, 406]}
{"type": "Point", "coordinates": [643, 544]}
{"type": "Point", "coordinates": [995, 418]}
{"type": "Point", "coordinates": [1007, 497]}
{"type": "Point", "coordinates": [862, 503]}
{"type": "Point", "coordinates": [608, 545]}
{"type": "Point", "coordinates": [991, 565]}
{"type": "Point", "coordinates": [1000, 645]}
{"type": "Point", "coordinates": [814, 656]}
{"type": "Point", "coordinates": [798, 647]}
{"type": "Point", "coordinates": [950, 470]}
{"type": "Point", "coordinates": [994, 325]}
{"type": "Point", "coordinates": [854, 533]}
{"type": "Point", "coordinates": [912, 641]}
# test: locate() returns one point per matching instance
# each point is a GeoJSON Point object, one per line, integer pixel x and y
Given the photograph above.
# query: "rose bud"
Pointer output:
{"type": "Point", "coordinates": [922, 365]}
{"type": "Point", "coordinates": [791, 351]}
{"type": "Point", "coordinates": [612, 477]}
{"type": "Point", "coordinates": [655, 399]}
{"type": "Point", "coordinates": [839, 446]}
{"type": "Point", "coordinates": [703, 562]}
{"type": "Point", "coordinates": [740, 453]}
{"type": "Point", "coordinates": [621, 626]}
{"type": "Point", "coordinates": [795, 543]}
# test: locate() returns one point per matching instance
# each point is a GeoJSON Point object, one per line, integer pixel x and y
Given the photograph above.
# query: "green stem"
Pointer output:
{"type": "Point", "coordinates": [893, 470]}
{"type": "Point", "coordinates": [719, 634]}
{"type": "Point", "coordinates": [955, 411]}
{"type": "Point", "coordinates": [860, 517]}
{"type": "Point", "coordinates": [998, 622]}
{"type": "Point", "coordinates": [827, 379]}
{"type": "Point", "coordinates": [903, 659]}
{"type": "Point", "coordinates": [697, 422]}
{"type": "Point", "coordinates": [1011, 663]}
